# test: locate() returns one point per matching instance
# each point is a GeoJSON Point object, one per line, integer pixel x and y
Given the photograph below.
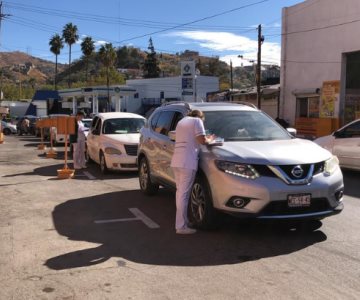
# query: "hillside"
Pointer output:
{"type": "Point", "coordinates": [21, 66]}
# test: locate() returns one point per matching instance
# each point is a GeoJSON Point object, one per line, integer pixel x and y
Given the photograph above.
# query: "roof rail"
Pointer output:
{"type": "Point", "coordinates": [187, 105]}
{"type": "Point", "coordinates": [245, 103]}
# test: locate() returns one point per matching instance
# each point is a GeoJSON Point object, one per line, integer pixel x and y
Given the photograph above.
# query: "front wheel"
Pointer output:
{"type": "Point", "coordinates": [103, 166]}
{"type": "Point", "coordinates": [146, 185]}
{"type": "Point", "coordinates": [7, 131]}
{"type": "Point", "coordinates": [201, 210]}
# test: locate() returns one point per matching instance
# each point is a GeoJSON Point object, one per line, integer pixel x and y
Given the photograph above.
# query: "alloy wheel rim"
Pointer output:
{"type": "Point", "coordinates": [198, 202]}
{"type": "Point", "coordinates": [102, 163]}
{"type": "Point", "coordinates": [143, 175]}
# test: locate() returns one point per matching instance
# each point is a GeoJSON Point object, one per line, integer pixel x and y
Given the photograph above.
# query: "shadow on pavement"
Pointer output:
{"type": "Point", "coordinates": [234, 242]}
{"type": "Point", "coordinates": [351, 183]}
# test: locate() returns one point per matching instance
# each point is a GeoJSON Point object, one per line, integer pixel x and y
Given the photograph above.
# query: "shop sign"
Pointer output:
{"type": "Point", "coordinates": [329, 96]}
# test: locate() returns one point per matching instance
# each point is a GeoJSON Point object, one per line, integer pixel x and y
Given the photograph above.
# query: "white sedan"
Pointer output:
{"type": "Point", "coordinates": [345, 144]}
{"type": "Point", "coordinates": [113, 141]}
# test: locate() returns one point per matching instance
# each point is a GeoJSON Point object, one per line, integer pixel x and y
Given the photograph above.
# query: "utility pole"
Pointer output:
{"type": "Point", "coordinates": [258, 67]}
{"type": "Point", "coordinates": [2, 16]}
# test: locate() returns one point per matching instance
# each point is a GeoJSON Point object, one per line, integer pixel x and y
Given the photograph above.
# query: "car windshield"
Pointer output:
{"type": "Point", "coordinates": [243, 126]}
{"type": "Point", "coordinates": [123, 125]}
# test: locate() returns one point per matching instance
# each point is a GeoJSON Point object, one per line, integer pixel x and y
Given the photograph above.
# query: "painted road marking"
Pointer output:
{"type": "Point", "coordinates": [89, 175]}
{"type": "Point", "coordinates": [139, 216]}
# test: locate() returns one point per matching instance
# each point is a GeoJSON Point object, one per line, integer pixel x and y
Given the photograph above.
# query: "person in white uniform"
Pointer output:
{"type": "Point", "coordinates": [79, 142]}
{"type": "Point", "coordinates": [190, 134]}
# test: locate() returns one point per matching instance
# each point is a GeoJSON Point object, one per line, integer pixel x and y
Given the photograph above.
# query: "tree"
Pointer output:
{"type": "Point", "coordinates": [151, 64]}
{"type": "Point", "coordinates": [87, 48]}
{"type": "Point", "coordinates": [107, 54]}
{"type": "Point", "coordinates": [70, 36]}
{"type": "Point", "coordinates": [56, 44]}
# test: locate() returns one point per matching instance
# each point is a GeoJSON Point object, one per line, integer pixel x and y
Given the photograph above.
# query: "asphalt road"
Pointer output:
{"type": "Point", "coordinates": [98, 237]}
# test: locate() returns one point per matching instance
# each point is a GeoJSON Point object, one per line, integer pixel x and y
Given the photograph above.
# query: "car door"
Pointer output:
{"type": "Point", "coordinates": [347, 146]}
{"type": "Point", "coordinates": [160, 142]}
{"type": "Point", "coordinates": [93, 139]}
{"type": "Point", "coordinates": [168, 151]}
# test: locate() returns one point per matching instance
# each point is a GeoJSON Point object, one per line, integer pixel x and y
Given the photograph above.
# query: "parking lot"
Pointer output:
{"type": "Point", "coordinates": [98, 237]}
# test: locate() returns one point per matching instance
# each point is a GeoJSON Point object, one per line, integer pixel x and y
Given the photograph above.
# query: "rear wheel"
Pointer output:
{"type": "Point", "coordinates": [201, 210]}
{"type": "Point", "coordinates": [103, 166]}
{"type": "Point", "coordinates": [146, 185]}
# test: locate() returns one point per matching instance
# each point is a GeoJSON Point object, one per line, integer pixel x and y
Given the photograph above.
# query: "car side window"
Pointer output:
{"type": "Point", "coordinates": [164, 122]}
{"type": "Point", "coordinates": [352, 130]}
{"type": "Point", "coordinates": [154, 120]}
{"type": "Point", "coordinates": [177, 117]}
{"type": "Point", "coordinates": [97, 126]}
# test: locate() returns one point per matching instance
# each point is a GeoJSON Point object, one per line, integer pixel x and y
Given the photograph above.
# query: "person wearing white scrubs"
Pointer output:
{"type": "Point", "coordinates": [190, 134]}
{"type": "Point", "coordinates": [79, 145]}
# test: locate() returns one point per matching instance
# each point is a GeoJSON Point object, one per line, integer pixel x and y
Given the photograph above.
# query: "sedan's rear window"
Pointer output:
{"type": "Point", "coordinates": [122, 125]}
{"type": "Point", "coordinates": [243, 126]}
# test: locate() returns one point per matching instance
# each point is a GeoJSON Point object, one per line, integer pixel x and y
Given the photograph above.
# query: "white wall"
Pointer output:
{"type": "Point", "coordinates": [172, 87]}
{"type": "Point", "coordinates": [310, 56]}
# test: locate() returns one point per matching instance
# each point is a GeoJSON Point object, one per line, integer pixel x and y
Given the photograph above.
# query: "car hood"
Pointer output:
{"type": "Point", "coordinates": [127, 138]}
{"type": "Point", "coordinates": [279, 152]}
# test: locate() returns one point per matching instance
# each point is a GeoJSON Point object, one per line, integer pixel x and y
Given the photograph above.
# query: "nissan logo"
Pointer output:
{"type": "Point", "coordinates": [297, 171]}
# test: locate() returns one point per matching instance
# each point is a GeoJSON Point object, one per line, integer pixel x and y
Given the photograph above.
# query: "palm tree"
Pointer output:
{"type": "Point", "coordinates": [56, 44]}
{"type": "Point", "coordinates": [87, 48]}
{"type": "Point", "coordinates": [108, 56]}
{"type": "Point", "coordinates": [70, 37]}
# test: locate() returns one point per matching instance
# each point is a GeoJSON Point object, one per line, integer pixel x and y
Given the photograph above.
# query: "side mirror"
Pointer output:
{"type": "Point", "coordinates": [292, 131]}
{"type": "Point", "coordinates": [172, 135]}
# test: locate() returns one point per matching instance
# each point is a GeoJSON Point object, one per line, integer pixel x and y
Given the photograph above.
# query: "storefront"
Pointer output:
{"type": "Point", "coordinates": [320, 68]}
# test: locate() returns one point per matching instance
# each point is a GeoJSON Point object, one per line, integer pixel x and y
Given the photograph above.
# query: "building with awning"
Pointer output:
{"type": "Point", "coordinates": [320, 65]}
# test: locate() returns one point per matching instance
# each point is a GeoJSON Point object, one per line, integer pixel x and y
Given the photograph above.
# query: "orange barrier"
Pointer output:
{"type": "Point", "coordinates": [66, 126]}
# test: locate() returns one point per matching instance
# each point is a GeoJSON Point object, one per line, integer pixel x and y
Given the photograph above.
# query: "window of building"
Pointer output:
{"type": "Point", "coordinates": [307, 107]}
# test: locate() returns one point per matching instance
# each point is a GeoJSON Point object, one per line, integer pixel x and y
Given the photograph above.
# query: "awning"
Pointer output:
{"type": "Point", "coordinates": [308, 92]}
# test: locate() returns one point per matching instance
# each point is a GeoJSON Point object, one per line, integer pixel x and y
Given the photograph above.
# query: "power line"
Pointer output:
{"type": "Point", "coordinates": [196, 21]}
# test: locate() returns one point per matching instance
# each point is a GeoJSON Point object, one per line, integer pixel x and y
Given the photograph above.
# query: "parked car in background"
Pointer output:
{"type": "Point", "coordinates": [113, 140]}
{"type": "Point", "coordinates": [87, 124]}
{"type": "Point", "coordinates": [8, 128]}
{"type": "Point", "coordinates": [345, 144]}
{"type": "Point", "coordinates": [260, 171]}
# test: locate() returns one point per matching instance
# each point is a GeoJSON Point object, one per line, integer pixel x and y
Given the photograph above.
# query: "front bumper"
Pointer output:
{"type": "Point", "coordinates": [122, 162]}
{"type": "Point", "coordinates": [267, 197]}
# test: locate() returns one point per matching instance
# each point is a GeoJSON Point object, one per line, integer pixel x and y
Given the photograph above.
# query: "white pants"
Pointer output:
{"type": "Point", "coordinates": [79, 155]}
{"type": "Point", "coordinates": [184, 179]}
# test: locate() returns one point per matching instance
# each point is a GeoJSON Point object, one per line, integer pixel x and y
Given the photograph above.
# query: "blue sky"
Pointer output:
{"type": "Point", "coordinates": [214, 28]}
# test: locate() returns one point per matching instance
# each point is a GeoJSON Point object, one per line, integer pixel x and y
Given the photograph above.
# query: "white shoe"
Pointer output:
{"type": "Point", "coordinates": [186, 230]}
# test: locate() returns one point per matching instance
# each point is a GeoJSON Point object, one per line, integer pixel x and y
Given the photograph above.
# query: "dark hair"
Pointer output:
{"type": "Point", "coordinates": [80, 113]}
{"type": "Point", "coordinates": [196, 114]}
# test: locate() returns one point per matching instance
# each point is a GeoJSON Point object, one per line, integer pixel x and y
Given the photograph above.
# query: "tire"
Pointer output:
{"type": "Point", "coordinates": [6, 131]}
{"type": "Point", "coordinates": [201, 211]}
{"type": "Point", "coordinates": [103, 167]}
{"type": "Point", "coordinates": [146, 185]}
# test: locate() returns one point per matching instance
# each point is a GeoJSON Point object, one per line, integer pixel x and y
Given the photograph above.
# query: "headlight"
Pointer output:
{"type": "Point", "coordinates": [237, 169]}
{"type": "Point", "coordinates": [112, 151]}
{"type": "Point", "coordinates": [331, 166]}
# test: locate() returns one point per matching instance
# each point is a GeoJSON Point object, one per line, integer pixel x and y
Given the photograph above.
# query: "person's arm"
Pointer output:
{"type": "Point", "coordinates": [204, 140]}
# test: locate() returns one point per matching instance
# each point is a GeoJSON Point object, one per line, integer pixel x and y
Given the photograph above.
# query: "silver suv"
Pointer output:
{"type": "Point", "coordinates": [259, 171]}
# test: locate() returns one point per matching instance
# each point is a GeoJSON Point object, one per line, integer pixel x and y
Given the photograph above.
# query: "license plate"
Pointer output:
{"type": "Point", "coordinates": [300, 200]}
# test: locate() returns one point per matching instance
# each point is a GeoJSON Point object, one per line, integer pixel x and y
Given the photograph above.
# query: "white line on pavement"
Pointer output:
{"type": "Point", "coordinates": [88, 175]}
{"type": "Point", "coordinates": [139, 216]}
